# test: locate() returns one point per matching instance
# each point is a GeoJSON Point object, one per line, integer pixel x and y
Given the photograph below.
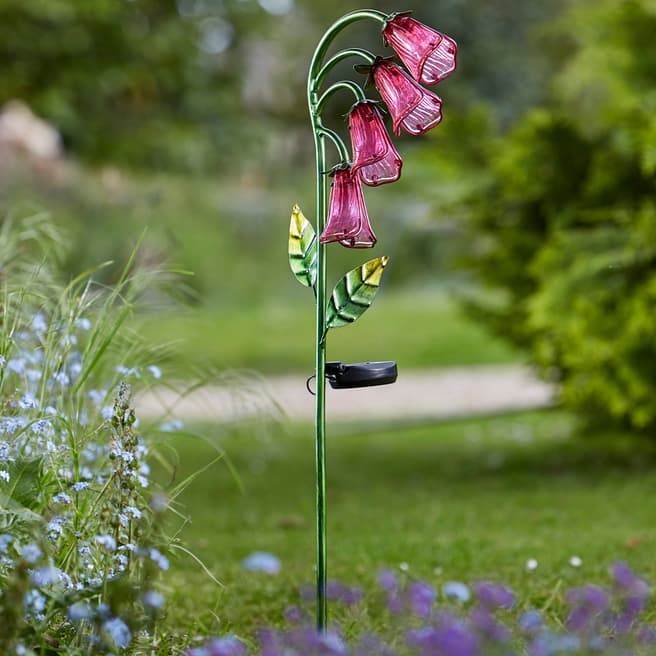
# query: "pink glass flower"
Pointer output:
{"type": "Point", "coordinates": [347, 222]}
{"type": "Point", "coordinates": [430, 56]}
{"type": "Point", "coordinates": [412, 107]}
{"type": "Point", "coordinates": [375, 159]}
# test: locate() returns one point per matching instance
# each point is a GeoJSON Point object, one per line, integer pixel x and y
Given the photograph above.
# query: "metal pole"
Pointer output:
{"type": "Point", "coordinates": [316, 75]}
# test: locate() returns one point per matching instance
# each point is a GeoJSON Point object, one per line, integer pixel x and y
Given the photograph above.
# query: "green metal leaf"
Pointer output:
{"type": "Point", "coordinates": [302, 248]}
{"type": "Point", "coordinates": [354, 293]}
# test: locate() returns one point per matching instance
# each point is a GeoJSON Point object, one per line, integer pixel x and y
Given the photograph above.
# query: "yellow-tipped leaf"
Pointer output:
{"type": "Point", "coordinates": [302, 248]}
{"type": "Point", "coordinates": [354, 293]}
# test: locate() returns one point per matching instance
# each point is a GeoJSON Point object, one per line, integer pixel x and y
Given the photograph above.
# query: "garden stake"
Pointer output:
{"type": "Point", "coordinates": [429, 56]}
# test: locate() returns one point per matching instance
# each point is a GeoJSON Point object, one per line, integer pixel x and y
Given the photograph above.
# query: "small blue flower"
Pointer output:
{"type": "Point", "coordinates": [118, 632]}
{"type": "Point", "coordinates": [153, 599]}
{"type": "Point", "coordinates": [261, 561]}
{"type": "Point", "coordinates": [47, 575]}
{"type": "Point", "coordinates": [128, 372]}
{"type": "Point", "coordinates": [79, 611]}
{"type": "Point", "coordinates": [39, 324]}
{"type": "Point", "coordinates": [31, 553]}
{"type": "Point", "coordinates": [62, 498]}
{"type": "Point", "coordinates": [5, 540]}
{"type": "Point", "coordinates": [83, 324]}
{"type": "Point", "coordinates": [530, 621]}
{"type": "Point", "coordinates": [456, 590]}
{"type": "Point", "coordinates": [154, 371]}
{"type": "Point", "coordinates": [28, 402]}
{"type": "Point", "coordinates": [106, 541]}
{"type": "Point", "coordinates": [61, 378]}
{"type": "Point", "coordinates": [35, 601]}
{"type": "Point", "coordinates": [17, 365]}
{"type": "Point", "coordinates": [171, 426]}
{"type": "Point", "coordinates": [161, 560]}
{"type": "Point", "coordinates": [133, 511]}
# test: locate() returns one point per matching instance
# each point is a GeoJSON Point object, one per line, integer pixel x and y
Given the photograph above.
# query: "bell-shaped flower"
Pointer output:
{"type": "Point", "coordinates": [430, 56]}
{"type": "Point", "coordinates": [412, 107]}
{"type": "Point", "coordinates": [375, 159]}
{"type": "Point", "coordinates": [348, 222]}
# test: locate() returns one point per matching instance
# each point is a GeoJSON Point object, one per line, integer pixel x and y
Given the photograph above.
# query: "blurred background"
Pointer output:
{"type": "Point", "coordinates": [523, 227]}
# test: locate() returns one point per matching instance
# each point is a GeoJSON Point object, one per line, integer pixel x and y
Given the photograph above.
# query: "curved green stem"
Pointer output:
{"type": "Point", "coordinates": [331, 33]}
{"type": "Point", "coordinates": [333, 88]}
{"type": "Point", "coordinates": [340, 56]}
{"type": "Point", "coordinates": [337, 141]}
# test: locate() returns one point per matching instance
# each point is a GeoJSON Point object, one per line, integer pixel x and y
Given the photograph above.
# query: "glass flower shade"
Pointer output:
{"type": "Point", "coordinates": [430, 56]}
{"type": "Point", "coordinates": [348, 222]}
{"type": "Point", "coordinates": [375, 159]}
{"type": "Point", "coordinates": [412, 107]}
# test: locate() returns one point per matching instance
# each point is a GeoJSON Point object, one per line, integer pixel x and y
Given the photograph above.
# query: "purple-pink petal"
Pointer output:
{"type": "Point", "coordinates": [430, 56]}
{"type": "Point", "coordinates": [374, 156]}
{"type": "Point", "coordinates": [347, 222]}
{"type": "Point", "coordinates": [412, 107]}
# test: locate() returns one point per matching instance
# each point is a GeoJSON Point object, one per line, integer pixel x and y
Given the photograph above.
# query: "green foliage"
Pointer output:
{"type": "Point", "coordinates": [79, 526]}
{"type": "Point", "coordinates": [191, 83]}
{"type": "Point", "coordinates": [567, 228]}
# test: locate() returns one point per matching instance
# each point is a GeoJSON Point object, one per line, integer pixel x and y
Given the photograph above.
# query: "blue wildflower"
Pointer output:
{"type": "Point", "coordinates": [456, 590]}
{"type": "Point", "coordinates": [262, 561]}
{"type": "Point", "coordinates": [118, 632]}
{"type": "Point", "coordinates": [79, 611]}
{"type": "Point", "coordinates": [31, 553]}
{"type": "Point", "coordinates": [154, 371]}
{"type": "Point", "coordinates": [153, 599]}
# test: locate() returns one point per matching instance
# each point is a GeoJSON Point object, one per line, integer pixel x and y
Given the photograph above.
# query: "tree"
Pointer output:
{"type": "Point", "coordinates": [567, 227]}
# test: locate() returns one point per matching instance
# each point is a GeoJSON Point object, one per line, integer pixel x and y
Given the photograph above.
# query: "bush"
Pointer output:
{"type": "Point", "coordinates": [566, 230]}
{"type": "Point", "coordinates": [80, 539]}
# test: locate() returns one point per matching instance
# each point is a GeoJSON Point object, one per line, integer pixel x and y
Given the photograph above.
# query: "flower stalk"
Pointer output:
{"type": "Point", "coordinates": [430, 56]}
{"type": "Point", "coordinates": [317, 74]}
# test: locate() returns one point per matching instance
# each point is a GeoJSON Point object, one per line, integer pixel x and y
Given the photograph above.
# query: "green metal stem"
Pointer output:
{"type": "Point", "coordinates": [320, 369]}
{"type": "Point", "coordinates": [340, 56]}
{"type": "Point", "coordinates": [333, 88]}
{"type": "Point", "coordinates": [329, 36]}
{"type": "Point", "coordinates": [320, 134]}
{"type": "Point", "coordinates": [337, 141]}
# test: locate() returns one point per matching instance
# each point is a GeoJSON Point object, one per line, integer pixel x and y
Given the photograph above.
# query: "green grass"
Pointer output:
{"type": "Point", "coordinates": [250, 312]}
{"type": "Point", "coordinates": [418, 329]}
{"type": "Point", "coordinates": [458, 501]}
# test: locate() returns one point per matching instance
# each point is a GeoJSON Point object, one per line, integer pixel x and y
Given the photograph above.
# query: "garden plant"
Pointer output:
{"type": "Point", "coordinates": [81, 541]}
{"type": "Point", "coordinates": [429, 57]}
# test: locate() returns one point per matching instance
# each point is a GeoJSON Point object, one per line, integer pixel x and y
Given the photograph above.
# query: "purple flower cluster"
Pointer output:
{"type": "Point", "coordinates": [461, 620]}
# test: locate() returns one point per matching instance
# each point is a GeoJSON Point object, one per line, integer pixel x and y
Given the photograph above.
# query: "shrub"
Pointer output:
{"type": "Point", "coordinates": [566, 230]}
{"type": "Point", "coordinates": [80, 545]}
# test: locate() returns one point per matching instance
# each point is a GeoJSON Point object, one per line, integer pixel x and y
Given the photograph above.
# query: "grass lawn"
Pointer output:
{"type": "Point", "coordinates": [418, 329]}
{"type": "Point", "coordinates": [457, 501]}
